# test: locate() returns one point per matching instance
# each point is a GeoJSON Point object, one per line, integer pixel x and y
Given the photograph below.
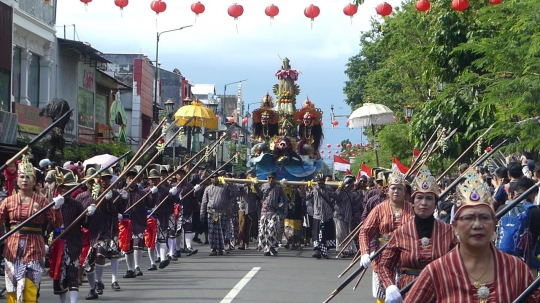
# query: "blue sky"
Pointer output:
{"type": "Point", "coordinates": [212, 51]}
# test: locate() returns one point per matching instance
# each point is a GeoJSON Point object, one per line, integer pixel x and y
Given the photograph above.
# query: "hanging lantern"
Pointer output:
{"type": "Point", "coordinates": [350, 10]}
{"type": "Point", "coordinates": [235, 11]}
{"type": "Point", "coordinates": [384, 9]}
{"type": "Point", "coordinates": [234, 136]}
{"type": "Point", "coordinates": [358, 145]}
{"type": "Point", "coordinates": [335, 122]}
{"type": "Point", "coordinates": [312, 12]}
{"type": "Point", "coordinates": [197, 8]}
{"type": "Point", "coordinates": [495, 2]}
{"type": "Point", "coordinates": [271, 11]}
{"type": "Point", "coordinates": [337, 152]}
{"type": "Point", "coordinates": [460, 5]}
{"type": "Point", "coordinates": [121, 3]}
{"type": "Point", "coordinates": [348, 145]}
{"type": "Point", "coordinates": [329, 156]}
{"type": "Point", "coordinates": [423, 5]}
{"type": "Point", "coordinates": [86, 2]}
{"type": "Point", "coordinates": [488, 149]}
{"type": "Point", "coordinates": [245, 120]}
{"type": "Point", "coordinates": [328, 145]}
{"type": "Point", "coordinates": [368, 145]}
{"type": "Point", "coordinates": [338, 145]}
{"type": "Point", "coordinates": [158, 6]}
{"type": "Point", "coordinates": [322, 151]}
{"type": "Point", "coordinates": [231, 120]}
{"type": "Point", "coordinates": [217, 117]}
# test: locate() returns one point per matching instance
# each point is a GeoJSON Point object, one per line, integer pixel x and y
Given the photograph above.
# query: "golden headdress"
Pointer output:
{"type": "Point", "coordinates": [266, 108]}
{"type": "Point", "coordinates": [25, 167]}
{"type": "Point", "coordinates": [425, 182]}
{"type": "Point", "coordinates": [65, 177]}
{"type": "Point", "coordinates": [396, 178]}
{"type": "Point", "coordinates": [473, 192]}
{"type": "Point", "coordinates": [308, 110]}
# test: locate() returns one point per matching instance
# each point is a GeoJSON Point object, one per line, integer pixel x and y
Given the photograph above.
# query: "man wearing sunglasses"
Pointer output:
{"type": "Point", "coordinates": [273, 197]}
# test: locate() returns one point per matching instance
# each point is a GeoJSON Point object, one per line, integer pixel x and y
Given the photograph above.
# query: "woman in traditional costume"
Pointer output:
{"type": "Point", "coordinates": [24, 252]}
{"type": "Point", "coordinates": [379, 225]}
{"type": "Point", "coordinates": [475, 271]}
{"type": "Point", "coordinates": [418, 242]}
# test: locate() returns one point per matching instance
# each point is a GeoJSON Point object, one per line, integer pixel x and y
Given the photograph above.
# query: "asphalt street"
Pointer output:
{"type": "Point", "coordinates": [240, 276]}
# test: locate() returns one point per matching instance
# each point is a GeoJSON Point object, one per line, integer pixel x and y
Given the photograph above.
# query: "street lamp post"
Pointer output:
{"type": "Point", "coordinates": [409, 111]}
{"type": "Point", "coordinates": [169, 107]}
{"type": "Point", "coordinates": [188, 101]}
{"type": "Point", "coordinates": [224, 119]}
{"type": "Point", "coordinates": [155, 111]}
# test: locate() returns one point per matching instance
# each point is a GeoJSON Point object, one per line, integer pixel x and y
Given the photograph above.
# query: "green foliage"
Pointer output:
{"type": "Point", "coordinates": [240, 165]}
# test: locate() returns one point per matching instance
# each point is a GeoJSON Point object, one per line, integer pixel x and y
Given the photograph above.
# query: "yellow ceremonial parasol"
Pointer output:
{"type": "Point", "coordinates": [203, 116]}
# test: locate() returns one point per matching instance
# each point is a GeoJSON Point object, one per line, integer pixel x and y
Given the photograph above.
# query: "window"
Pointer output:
{"type": "Point", "coordinates": [16, 85]}
{"type": "Point", "coordinates": [33, 81]}
{"type": "Point", "coordinates": [85, 104]}
{"type": "Point", "coordinates": [101, 109]}
{"type": "Point", "coordinates": [5, 96]}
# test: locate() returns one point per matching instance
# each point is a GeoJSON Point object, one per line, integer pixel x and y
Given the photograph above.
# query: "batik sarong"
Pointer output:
{"type": "Point", "coordinates": [268, 231]}
{"type": "Point", "coordinates": [217, 226]}
{"type": "Point", "coordinates": [22, 280]}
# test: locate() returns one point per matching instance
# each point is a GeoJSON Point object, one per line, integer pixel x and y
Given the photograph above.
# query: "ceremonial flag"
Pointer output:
{"type": "Point", "coordinates": [364, 171]}
{"type": "Point", "coordinates": [341, 164]}
{"type": "Point", "coordinates": [347, 172]}
{"type": "Point", "coordinates": [396, 165]}
{"type": "Point", "coordinates": [415, 154]}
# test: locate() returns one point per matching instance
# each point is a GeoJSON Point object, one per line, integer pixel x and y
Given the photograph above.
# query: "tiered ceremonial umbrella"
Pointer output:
{"type": "Point", "coordinates": [203, 116]}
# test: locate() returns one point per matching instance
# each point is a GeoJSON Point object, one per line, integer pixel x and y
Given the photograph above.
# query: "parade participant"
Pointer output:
{"type": "Point", "coordinates": [232, 213]}
{"type": "Point", "coordinates": [250, 194]}
{"type": "Point", "coordinates": [343, 215]}
{"type": "Point", "coordinates": [65, 254]}
{"type": "Point", "coordinates": [187, 207]}
{"type": "Point", "coordinates": [197, 225]}
{"type": "Point", "coordinates": [164, 215]}
{"type": "Point", "coordinates": [357, 195]}
{"type": "Point", "coordinates": [293, 220]}
{"type": "Point", "coordinates": [379, 225]}
{"type": "Point", "coordinates": [273, 197]}
{"type": "Point", "coordinates": [475, 271]}
{"type": "Point", "coordinates": [10, 175]}
{"type": "Point", "coordinates": [215, 202]}
{"type": "Point", "coordinates": [323, 208]}
{"type": "Point", "coordinates": [137, 216]}
{"type": "Point", "coordinates": [25, 250]}
{"type": "Point", "coordinates": [375, 196]}
{"type": "Point", "coordinates": [49, 188]}
{"type": "Point", "coordinates": [416, 243]}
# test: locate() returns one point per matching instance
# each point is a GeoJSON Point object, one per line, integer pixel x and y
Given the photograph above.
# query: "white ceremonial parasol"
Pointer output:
{"type": "Point", "coordinates": [103, 160]}
{"type": "Point", "coordinates": [371, 114]}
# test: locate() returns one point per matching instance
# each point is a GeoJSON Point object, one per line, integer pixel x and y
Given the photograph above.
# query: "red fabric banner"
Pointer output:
{"type": "Point", "coordinates": [124, 234]}
{"type": "Point", "coordinates": [55, 259]}
{"type": "Point", "coordinates": [150, 233]}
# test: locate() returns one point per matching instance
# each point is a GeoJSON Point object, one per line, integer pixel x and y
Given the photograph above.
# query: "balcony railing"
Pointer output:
{"type": "Point", "coordinates": [40, 10]}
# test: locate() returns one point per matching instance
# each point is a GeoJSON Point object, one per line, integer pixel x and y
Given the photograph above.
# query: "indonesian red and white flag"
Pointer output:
{"type": "Point", "coordinates": [364, 171]}
{"type": "Point", "coordinates": [396, 165]}
{"type": "Point", "coordinates": [341, 164]}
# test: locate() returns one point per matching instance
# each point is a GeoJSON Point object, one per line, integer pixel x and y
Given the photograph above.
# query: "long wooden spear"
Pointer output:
{"type": "Point", "coordinates": [67, 194]}
{"type": "Point", "coordinates": [428, 142]}
{"type": "Point", "coordinates": [34, 141]}
{"type": "Point", "coordinates": [529, 291]}
{"type": "Point", "coordinates": [101, 197]}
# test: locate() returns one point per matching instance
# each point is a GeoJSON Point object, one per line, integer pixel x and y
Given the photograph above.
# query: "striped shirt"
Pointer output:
{"type": "Point", "coordinates": [405, 249]}
{"type": "Point", "coordinates": [379, 224]}
{"type": "Point", "coordinates": [446, 280]}
{"type": "Point", "coordinates": [14, 212]}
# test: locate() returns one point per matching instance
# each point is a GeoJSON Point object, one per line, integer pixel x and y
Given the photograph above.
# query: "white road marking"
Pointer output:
{"type": "Point", "coordinates": [238, 287]}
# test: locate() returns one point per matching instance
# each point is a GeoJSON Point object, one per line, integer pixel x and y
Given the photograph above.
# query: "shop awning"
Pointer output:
{"type": "Point", "coordinates": [91, 55]}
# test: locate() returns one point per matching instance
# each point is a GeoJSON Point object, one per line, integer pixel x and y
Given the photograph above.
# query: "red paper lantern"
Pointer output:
{"type": "Point", "coordinates": [121, 3]}
{"type": "Point", "coordinates": [312, 12]}
{"type": "Point", "coordinates": [349, 145]}
{"type": "Point", "coordinates": [495, 2]}
{"type": "Point", "coordinates": [368, 145]}
{"type": "Point", "coordinates": [423, 5]}
{"type": "Point", "coordinates": [322, 151]}
{"type": "Point", "coordinates": [217, 117]}
{"type": "Point", "coordinates": [329, 156]}
{"type": "Point", "coordinates": [358, 145]}
{"type": "Point", "coordinates": [86, 1]}
{"type": "Point", "coordinates": [347, 122]}
{"type": "Point", "coordinates": [271, 11]}
{"type": "Point", "coordinates": [234, 136]}
{"type": "Point", "coordinates": [338, 145]}
{"type": "Point", "coordinates": [460, 5]}
{"type": "Point", "coordinates": [231, 120]}
{"type": "Point", "coordinates": [197, 8]}
{"type": "Point", "coordinates": [350, 10]}
{"type": "Point", "coordinates": [488, 149]}
{"type": "Point", "coordinates": [245, 120]}
{"type": "Point", "coordinates": [235, 11]}
{"type": "Point", "coordinates": [384, 9]}
{"type": "Point", "coordinates": [328, 145]}
{"type": "Point", "coordinates": [335, 122]}
{"type": "Point", "coordinates": [158, 6]}
{"type": "Point", "coordinates": [337, 152]}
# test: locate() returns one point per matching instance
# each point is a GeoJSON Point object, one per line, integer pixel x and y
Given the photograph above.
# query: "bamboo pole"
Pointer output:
{"type": "Point", "coordinates": [423, 150]}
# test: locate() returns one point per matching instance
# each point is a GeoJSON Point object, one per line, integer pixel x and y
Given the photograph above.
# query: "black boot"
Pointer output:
{"type": "Point", "coordinates": [92, 295]}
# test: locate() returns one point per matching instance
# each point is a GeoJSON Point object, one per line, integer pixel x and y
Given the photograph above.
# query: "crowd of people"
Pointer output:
{"type": "Point", "coordinates": [452, 244]}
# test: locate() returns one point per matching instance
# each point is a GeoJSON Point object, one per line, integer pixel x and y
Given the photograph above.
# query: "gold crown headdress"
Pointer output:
{"type": "Point", "coordinates": [396, 178]}
{"type": "Point", "coordinates": [474, 191]}
{"type": "Point", "coordinates": [25, 167]}
{"type": "Point", "coordinates": [425, 182]}
{"type": "Point", "coordinates": [65, 177]}
{"type": "Point", "coordinates": [266, 115]}
{"type": "Point", "coordinates": [309, 115]}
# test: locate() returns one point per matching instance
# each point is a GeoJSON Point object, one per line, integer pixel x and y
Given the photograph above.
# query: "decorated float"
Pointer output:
{"type": "Point", "coordinates": [287, 139]}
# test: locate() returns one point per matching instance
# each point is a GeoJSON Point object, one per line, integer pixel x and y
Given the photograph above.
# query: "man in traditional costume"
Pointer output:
{"type": "Point", "coordinates": [343, 215]}
{"type": "Point", "coordinates": [381, 223]}
{"type": "Point", "coordinates": [215, 203]}
{"type": "Point", "coordinates": [250, 194]}
{"type": "Point", "coordinates": [375, 195]}
{"type": "Point", "coordinates": [25, 250]}
{"type": "Point", "coordinates": [273, 198]}
{"type": "Point", "coordinates": [416, 243]}
{"type": "Point", "coordinates": [137, 218]}
{"type": "Point", "coordinates": [65, 253]}
{"type": "Point", "coordinates": [323, 207]}
{"type": "Point", "coordinates": [475, 271]}
{"type": "Point", "coordinates": [102, 232]}
{"type": "Point", "coordinates": [187, 206]}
